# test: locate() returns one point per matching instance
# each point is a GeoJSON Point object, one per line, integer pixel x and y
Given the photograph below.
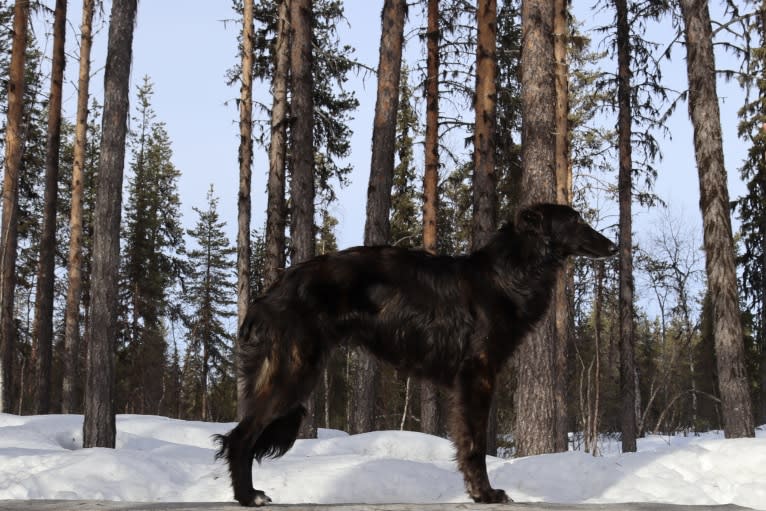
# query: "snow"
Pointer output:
{"type": "Point", "coordinates": [161, 459]}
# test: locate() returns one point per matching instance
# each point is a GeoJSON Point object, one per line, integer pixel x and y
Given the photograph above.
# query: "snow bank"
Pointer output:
{"type": "Point", "coordinates": [160, 459]}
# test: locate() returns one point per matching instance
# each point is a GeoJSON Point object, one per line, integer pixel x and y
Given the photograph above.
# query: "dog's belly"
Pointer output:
{"type": "Point", "coordinates": [412, 352]}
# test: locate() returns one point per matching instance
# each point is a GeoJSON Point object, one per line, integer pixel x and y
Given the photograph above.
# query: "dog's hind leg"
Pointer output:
{"type": "Point", "coordinates": [472, 399]}
{"type": "Point", "coordinates": [274, 411]}
{"type": "Point", "coordinates": [238, 449]}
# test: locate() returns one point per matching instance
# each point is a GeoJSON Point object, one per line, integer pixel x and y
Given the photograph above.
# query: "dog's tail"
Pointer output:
{"type": "Point", "coordinates": [223, 446]}
{"type": "Point", "coordinates": [279, 436]}
{"type": "Point", "coordinates": [273, 442]}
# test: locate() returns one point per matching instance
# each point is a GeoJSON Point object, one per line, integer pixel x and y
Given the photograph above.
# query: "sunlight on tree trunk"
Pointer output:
{"type": "Point", "coordinates": [716, 220]}
{"type": "Point", "coordinates": [69, 398]}
{"type": "Point", "coordinates": [564, 283]}
{"type": "Point", "coordinates": [14, 142]}
{"type": "Point", "coordinates": [429, 397]}
{"type": "Point", "coordinates": [245, 177]}
{"type": "Point", "coordinates": [535, 426]}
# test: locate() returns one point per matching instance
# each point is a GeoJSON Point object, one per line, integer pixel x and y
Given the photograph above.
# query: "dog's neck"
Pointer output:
{"type": "Point", "coordinates": [528, 265]}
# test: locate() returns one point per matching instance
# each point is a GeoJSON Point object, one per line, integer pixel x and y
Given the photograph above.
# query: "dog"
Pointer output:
{"type": "Point", "coordinates": [451, 320]}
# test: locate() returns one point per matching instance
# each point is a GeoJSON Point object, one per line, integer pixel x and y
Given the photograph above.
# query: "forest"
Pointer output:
{"type": "Point", "coordinates": [111, 302]}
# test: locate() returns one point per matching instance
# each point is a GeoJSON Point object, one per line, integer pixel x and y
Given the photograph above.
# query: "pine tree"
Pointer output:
{"type": "Point", "coordinates": [99, 427]}
{"type": "Point", "coordinates": [714, 204]}
{"type": "Point", "coordinates": [209, 292]}
{"type": "Point", "coordinates": [276, 211]}
{"type": "Point", "coordinates": [6, 41]}
{"type": "Point", "coordinates": [625, 191]}
{"type": "Point", "coordinates": [333, 104]}
{"type": "Point", "coordinates": [8, 243]}
{"type": "Point", "coordinates": [43, 329]}
{"type": "Point", "coordinates": [245, 157]}
{"type": "Point", "coordinates": [69, 395]}
{"type": "Point", "coordinates": [534, 401]}
{"type": "Point", "coordinates": [429, 406]}
{"type": "Point", "coordinates": [377, 230]}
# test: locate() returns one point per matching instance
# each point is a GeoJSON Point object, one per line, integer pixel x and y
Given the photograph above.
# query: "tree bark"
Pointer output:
{"type": "Point", "coordinates": [431, 176]}
{"type": "Point", "coordinates": [625, 192]}
{"type": "Point", "coordinates": [377, 228]}
{"type": "Point", "coordinates": [484, 177]}
{"type": "Point", "coordinates": [302, 184]}
{"type": "Point", "coordinates": [99, 428]}
{"type": "Point", "coordinates": [429, 401]}
{"type": "Point", "coordinates": [43, 329]}
{"type": "Point", "coordinates": [716, 221]}
{"type": "Point", "coordinates": [535, 425]}
{"type": "Point", "coordinates": [69, 398]}
{"type": "Point", "coordinates": [14, 147]}
{"type": "Point", "coordinates": [275, 221]}
{"type": "Point", "coordinates": [564, 283]}
{"type": "Point", "coordinates": [245, 176]}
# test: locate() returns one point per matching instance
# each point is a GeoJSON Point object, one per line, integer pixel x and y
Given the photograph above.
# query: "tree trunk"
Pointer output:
{"type": "Point", "coordinates": [762, 340]}
{"type": "Point", "coordinates": [275, 221]}
{"type": "Point", "coordinates": [564, 283]}
{"type": "Point", "coordinates": [431, 177]}
{"type": "Point", "coordinates": [625, 191]}
{"type": "Point", "coordinates": [377, 228]}
{"type": "Point", "coordinates": [245, 176]}
{"type": "Point", "coordinates": [99, 426]}
{"type": "Point", "coordinates": [484, 177]}
{"type": "Point", "coordinates": [535, 425]}
{"type": "Point", "coordinates": [14, 147]}
{"type": "Point", "coordinates": [45, 277]}
{"type": "Point", "coordinates": [429, 401]}
{"type": "Point", "coordinates": [716, 220]}
{"type": "Point", "coordinates": [69, 398]}
{"type": "Point", "coordinates": [302, 184]}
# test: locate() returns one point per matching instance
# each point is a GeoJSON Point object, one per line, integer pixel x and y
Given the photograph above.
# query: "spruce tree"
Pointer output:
{"type": "Point", "coordinates": [150, 262]}
{"type": "Point", "coordinates": [209, 295]}
{"type": "Point", "coordinates": [29, 191]}
{"type": "Point", "coordinates": [752, 206]}
{"type": "Point", "coordinates": [406, 230]}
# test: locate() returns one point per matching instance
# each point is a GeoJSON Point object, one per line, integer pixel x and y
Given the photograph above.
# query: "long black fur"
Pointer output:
{"type": "Point", "coordinates": [452, 320]}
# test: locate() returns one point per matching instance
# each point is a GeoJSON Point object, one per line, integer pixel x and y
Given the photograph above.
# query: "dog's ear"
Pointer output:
{"type": "Point", "coordinates": [531, 220]}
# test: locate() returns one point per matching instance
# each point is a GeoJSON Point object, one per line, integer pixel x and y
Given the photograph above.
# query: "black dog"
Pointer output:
{"type": "Point", "coordinates": [452, 320]}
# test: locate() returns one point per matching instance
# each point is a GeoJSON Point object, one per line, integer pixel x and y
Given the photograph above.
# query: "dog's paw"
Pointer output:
{"type": "Point", "coordinates": [253, 498]}
{"type": "Point", "coordinates": [261, 499]}
{"type": "Point", "coordinates": [492, 496]}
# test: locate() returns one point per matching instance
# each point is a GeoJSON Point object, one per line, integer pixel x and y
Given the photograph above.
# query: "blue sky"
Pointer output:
{"type": "Point", "coordinates": [186, 47]}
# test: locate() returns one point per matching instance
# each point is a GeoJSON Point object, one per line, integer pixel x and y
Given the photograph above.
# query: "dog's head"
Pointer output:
{"type": "Point", "coordinates": [564, 230]}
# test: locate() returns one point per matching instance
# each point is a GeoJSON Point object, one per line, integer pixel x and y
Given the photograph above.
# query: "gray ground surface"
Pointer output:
{"type": "Point", "coordinates": [101, 505]}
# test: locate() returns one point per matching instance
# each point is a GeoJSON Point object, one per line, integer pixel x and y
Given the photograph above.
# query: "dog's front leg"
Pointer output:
{"type": "Point", "coordinates": [470, 411]}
